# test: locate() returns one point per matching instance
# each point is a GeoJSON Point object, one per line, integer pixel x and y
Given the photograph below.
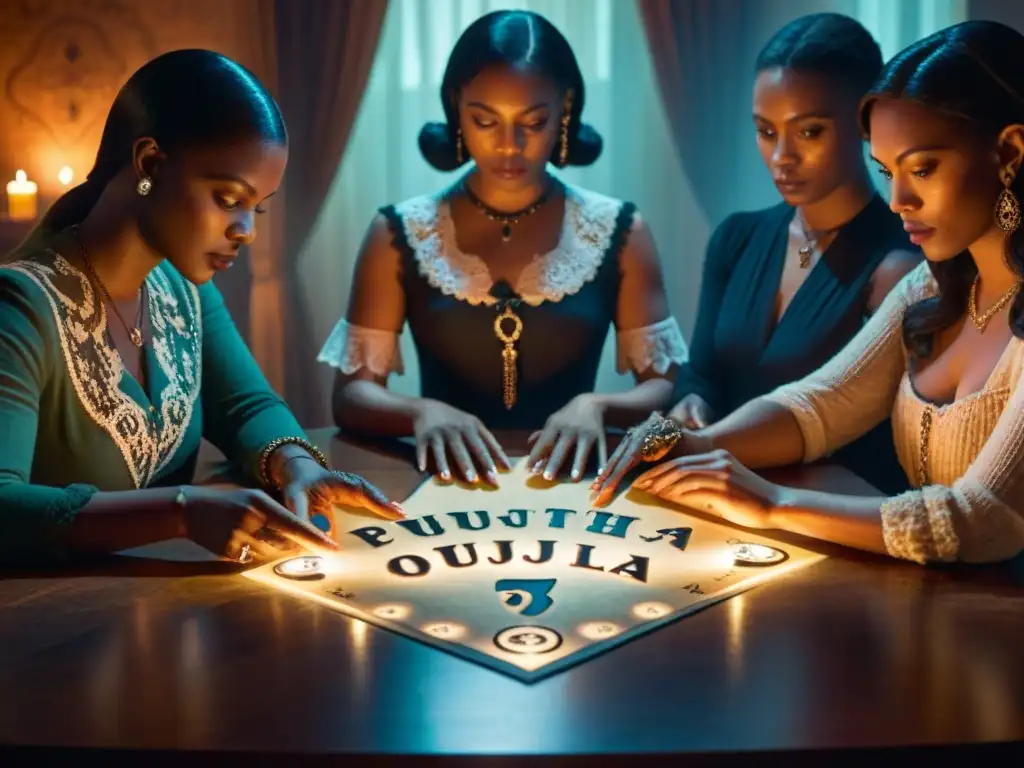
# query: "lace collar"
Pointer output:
{"type": "Point", "coordinates": [588, 231]}
{"type": "Point", "coordinates": [147, 436]}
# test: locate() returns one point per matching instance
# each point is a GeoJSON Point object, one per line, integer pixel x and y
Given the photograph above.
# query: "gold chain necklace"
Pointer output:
{"type": "Point", "coordinates": [981, 321]}
{"type": "Point", "coordinates": [134, 333]}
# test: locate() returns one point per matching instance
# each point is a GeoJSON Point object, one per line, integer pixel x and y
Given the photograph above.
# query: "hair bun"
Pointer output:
{"type": "Point", "coordinates": [585, 147]}
{"type": "Point", "coordinates": [437, 147]}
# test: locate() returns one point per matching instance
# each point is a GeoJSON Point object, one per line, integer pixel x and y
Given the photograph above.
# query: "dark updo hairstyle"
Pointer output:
{"type": "Point", "coordinates": [971, 71]}
{"type": "Point", "coordinates": [828, 44]}
{"type": "Point", "coordinates": [185, 98]}
{"type": "Point", "coordinates": [523, 41]}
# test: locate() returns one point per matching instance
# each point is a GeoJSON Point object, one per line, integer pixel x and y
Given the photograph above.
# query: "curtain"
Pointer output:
{"type": "Point", "coordinates": [322, 54]}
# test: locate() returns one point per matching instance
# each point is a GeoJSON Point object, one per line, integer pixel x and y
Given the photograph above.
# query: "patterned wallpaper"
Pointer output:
{"type": "Point", "coordinates": [63, 61]}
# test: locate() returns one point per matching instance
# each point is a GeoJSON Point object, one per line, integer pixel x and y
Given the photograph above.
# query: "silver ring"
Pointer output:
{"type": "Point", "coordinates": [243, 556]}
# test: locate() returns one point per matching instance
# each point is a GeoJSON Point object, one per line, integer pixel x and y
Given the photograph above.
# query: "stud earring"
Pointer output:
{"type": "Point", "coordinates": [1008, 207]}
{"type": "Point", "coordinates": [145, 186]}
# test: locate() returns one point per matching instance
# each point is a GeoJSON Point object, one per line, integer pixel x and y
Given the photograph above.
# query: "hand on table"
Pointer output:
{"type": "Point", "coordinates": [577, 429]}
{"type": "Point", "coordinates": [308, 489]}
{"type": "Point", "coordinates": [242, 524]}
{"type": "Point", "coordinates": [445, 432]}
{"type": "Point", "coordinates": [717, 483]}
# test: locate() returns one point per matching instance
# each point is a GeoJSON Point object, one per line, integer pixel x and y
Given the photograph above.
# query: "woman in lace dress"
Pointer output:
{"type": "Point", "coordinates": [554, 265]}
{"type": "Point", "coordinates": [117, 355]}
{"type": "Point", "coordinates": [784, 289]}
{"type": "Point", "coordinates": [943, 354]}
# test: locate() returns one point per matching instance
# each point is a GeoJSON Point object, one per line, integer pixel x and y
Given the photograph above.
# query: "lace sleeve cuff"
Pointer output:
{"type": "Point", "coordinates": [351, 348]}
{"type": "Point", "coordinates": [657, 347]}
{"type": "Point", "coordinates": [918, 525]}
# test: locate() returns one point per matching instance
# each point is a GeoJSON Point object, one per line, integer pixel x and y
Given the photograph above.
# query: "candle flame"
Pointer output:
{"type": "Point", "coordinates": [20, 176]}
{"type": "Point", "coordinates": [65, 175]}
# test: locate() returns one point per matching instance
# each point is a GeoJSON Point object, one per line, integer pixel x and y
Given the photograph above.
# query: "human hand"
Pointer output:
{"type": "Point", "coordinates": [692, 412]}
{"type": "Point", "coordinates": [443, 431]}
{"type": "Point", "coordinates": [578, 427]}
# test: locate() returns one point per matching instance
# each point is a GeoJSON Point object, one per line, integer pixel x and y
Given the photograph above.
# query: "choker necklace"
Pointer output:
{"type": "Point", "coordinates": [506, 219]}
{"type": "Point", "coordinates": [134, 333]}
{"type": "Point", "coordinates": [811, 242]}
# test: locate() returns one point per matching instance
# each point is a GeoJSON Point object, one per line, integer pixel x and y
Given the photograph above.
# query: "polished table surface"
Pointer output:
{"type": "Point", "coordinates": [853, 652]}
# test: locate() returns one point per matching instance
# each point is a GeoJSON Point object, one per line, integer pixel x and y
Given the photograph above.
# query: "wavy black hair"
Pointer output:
{"type": "Point", "coordinates": [184, 98]}
{"type": "Point", "coordinates": [971, 71]}
{"type": "Point", "coordinates": [829, 44]}
{"type": "Point", "coordinates": [522, 40]}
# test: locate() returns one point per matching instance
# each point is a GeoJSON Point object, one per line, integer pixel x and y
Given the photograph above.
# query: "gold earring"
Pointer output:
{"type": "Point", "coordinates": [563, 152]}
{"type": "Point", "coordinates": [458, 146]}
{"type": "Point", "coordinates": [1007, 207]}
{"type": "Point", "coordinates": [145, 186]}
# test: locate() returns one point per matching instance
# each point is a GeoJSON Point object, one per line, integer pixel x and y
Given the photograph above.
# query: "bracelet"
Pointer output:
{"type": "Point", "coordinates": [273, 445]}
{"type": "Point", "coordinates": [660, 437]}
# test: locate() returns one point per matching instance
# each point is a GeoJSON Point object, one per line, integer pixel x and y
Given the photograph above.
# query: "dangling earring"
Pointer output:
{"type": "Point", "coordinates": [145, 186]}
{"type": "Point", "coordinates": [563, 151]}
{"type": "Point", "coordinates": [1007, 207]}
{"type": "Point", "coordinates": [458, 146]}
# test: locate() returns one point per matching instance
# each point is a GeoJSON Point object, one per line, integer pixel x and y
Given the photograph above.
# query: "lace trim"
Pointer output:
{"type": "Point", "coordinates": [918, 525]}
{"type": "Point", "coordinates": [96, 370]}
{"type": "Point", "coordinates": [591, 226]}
{"type": "Point", "coordinates": [350, 348]}
{"type": "Point", "coordinates": [657, 347]}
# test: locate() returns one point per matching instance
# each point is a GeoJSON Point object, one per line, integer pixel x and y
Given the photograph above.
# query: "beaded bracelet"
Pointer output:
{"type": "Point", "coordinates": [273, 445]}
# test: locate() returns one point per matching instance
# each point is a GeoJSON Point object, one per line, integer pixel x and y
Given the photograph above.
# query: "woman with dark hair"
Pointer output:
{"type": "Point", "coordinates": [117, 354]}
{"type": "Point", "coordinates": [785, 288]}
{"type": "Point", "coordinates": [509, 278]}
{"type": "Point", "coordinates": [943, 355]}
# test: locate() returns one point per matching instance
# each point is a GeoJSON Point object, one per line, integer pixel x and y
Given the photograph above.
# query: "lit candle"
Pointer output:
{"type": "Point", "coordinates": [21, 197]}
{"type": "Point", "coordinates": [65, 175]}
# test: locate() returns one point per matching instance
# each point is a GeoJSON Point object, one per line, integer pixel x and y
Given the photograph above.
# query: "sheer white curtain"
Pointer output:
{"type": "Point", "coordinates": [383, 164]}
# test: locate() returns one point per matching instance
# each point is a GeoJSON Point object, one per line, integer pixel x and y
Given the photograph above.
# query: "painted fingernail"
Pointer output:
{"type": "Point", "coordinates": [446, 476]}
{"type": "Point", "coordinates": [471, 476]}
{"type": "Point", "coordinates": [492, 477]}
{"type": "Point", "coordinates": [575, 475]}
{"type": "Point", "coordinates": [549, 475]}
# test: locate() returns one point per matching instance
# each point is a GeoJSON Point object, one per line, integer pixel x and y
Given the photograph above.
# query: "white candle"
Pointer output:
{"type": "Point", "coordinates": [21, 197]}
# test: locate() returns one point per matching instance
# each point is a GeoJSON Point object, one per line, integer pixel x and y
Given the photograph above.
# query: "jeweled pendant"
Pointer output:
{"type": "Point", "coordinates": [506, 233]}
{"type": "Point", "coordinates": [805, 255]}
{"type": "Point", "coordinates": [136, 337]}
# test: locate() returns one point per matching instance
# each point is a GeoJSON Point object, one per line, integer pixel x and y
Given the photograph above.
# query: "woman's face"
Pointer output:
{"type": "Point", "coordinates": [204, 204]}
{"type": "Point", "coordinates": [944, 178]}
{"type": "Point", "coordinates": [510, 122]}
{"type": "Point", "coordinates": [807, 133]}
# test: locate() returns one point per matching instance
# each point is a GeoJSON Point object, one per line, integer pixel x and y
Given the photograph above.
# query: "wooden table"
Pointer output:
{"type": "Point", "coordinates": [855, 652]}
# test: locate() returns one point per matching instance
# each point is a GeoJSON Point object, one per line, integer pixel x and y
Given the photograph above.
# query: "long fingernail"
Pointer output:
{"type": "Point", "coordinates": [446, 476]}
{"type": "Point", "coordinates": [575, 475]}
{"type": "Point", "coordinates": [471, 476]}
{"type": "Point", "coordinates": [492, 477]}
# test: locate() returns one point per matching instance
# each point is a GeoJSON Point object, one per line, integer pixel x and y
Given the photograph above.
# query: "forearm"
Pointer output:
{"type": "Point", "coordinates": [623, 409]}
{"type": "Point", "coordinates": [112, 522]}
{"type": "Point", "coordinates": [759, 434]}
{"type": "Point", "coordinates": [367, 406]}
{"type": "Point", "coordinates": [852, 521]}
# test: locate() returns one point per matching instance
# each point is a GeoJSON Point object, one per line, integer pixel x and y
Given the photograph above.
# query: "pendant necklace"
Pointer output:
{"type": "Point", "coordinates": [811, 241]}
{"type": "Point", "coordinates": [134, 332]}
{"type": "Point", "coordinates": [506, 219]}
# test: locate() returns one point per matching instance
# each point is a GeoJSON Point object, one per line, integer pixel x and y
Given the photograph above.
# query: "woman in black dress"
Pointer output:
{"type": "Point", "coordinates": [556, 266]}
{"type": "Point", "coordinates": [785, 288]}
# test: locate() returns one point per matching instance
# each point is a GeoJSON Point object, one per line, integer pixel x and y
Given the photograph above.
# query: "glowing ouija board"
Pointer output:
{"type": "Point", "coordinates": [528, 579]}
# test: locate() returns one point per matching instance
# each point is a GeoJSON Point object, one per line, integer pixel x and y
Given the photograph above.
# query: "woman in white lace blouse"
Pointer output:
{"type": "Point", "coordinates": [944, 353]}
{"type": "Point", "coordinates": [509, 279]}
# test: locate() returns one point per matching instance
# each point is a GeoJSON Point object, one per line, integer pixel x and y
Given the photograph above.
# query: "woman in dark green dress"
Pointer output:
{"type": "Point", "coordinates": [117, 354]}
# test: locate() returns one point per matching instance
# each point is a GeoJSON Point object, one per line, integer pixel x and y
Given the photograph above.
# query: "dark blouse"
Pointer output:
{"type": "Point", "coordinates": [738, 352]}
